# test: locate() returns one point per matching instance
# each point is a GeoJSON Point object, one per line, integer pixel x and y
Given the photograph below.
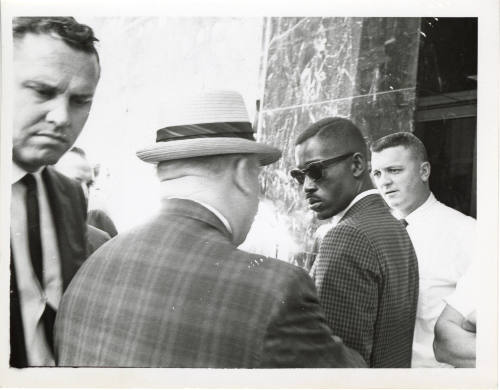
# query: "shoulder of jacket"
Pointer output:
{"type": "Point", "coordinates": [283, 272]}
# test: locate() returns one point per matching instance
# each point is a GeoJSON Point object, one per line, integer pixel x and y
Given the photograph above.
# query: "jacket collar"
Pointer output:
{"type": "Point", "coordinates": [194, 210]}
{"type": "Point", "coordinates": [17, 173]}
{"type": "Point", "coordinates": [364, 202]}
{"type": "Point", "coordinates": [337, 218]}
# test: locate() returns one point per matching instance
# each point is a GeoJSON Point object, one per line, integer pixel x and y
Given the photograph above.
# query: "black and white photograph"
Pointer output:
{"type": "Point", "coordinates": [267, 195]}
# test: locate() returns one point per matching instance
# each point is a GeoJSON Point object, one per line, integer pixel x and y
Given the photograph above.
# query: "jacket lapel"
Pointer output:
{"type": "Point", "coordinates": [65, 204]}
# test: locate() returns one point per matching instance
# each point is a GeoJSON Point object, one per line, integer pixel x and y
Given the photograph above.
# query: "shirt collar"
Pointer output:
{"type": "Point", "coordinates": [17, 173]}
{"type": "Point", "coordinates": [415, 214]}
{"type": "Point", "coordinates": [217, 213]}
{"type": "Point", "coordinates": [356, 199]}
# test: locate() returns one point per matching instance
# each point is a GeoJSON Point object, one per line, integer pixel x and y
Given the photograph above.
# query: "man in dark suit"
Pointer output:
{"type": "Point", "coordinates": [366, 272]}
{"type": "Point", "coordinates": [56, 70]}
{"type": "Point", "coordinates": [176, 291]}
{"type": "Point", "coordinates": [74, 164]}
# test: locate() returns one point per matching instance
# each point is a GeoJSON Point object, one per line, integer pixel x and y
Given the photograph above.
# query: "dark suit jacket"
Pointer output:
{"type": "Point", "coordinates": [367, 280]}
{"type": "Point", "coordinates": [100, 220]}
{"type": "Point", "coordinates": [95, 238]}
{"type": "Point", "coordinates": [175, 292]}
{"type": "Point", "coordinates": [68, 207]}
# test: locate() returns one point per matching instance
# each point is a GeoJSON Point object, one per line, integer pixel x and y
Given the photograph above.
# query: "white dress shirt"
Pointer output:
{"type": "Point", "coordinates": [32, 297]}
{"type": "Point", "coordinates": [444, 241]}
{"type": "Point", "coordinates": [465, 298]}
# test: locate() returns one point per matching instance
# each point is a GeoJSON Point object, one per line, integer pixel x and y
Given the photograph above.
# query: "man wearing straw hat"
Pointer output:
{"type": "Point", "coordinates": [176, 291]}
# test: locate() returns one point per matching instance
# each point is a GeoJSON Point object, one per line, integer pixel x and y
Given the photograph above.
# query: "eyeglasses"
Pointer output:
{"type": "Point", "coordinates": [314, 170]}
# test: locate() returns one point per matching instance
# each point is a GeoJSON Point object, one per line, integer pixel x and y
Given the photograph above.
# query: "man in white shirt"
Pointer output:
{"type": "Point", "coordinates": [56, 70]}
{"type": "Point", "coordinates": [443, 238]}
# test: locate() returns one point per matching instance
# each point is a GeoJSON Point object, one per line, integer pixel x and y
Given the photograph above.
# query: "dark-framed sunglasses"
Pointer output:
{"type": "Point", "coordinates": [314, 170]}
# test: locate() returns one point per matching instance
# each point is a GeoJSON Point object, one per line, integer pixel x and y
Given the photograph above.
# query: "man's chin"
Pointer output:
{"type": "Point", "coordinates": [324, 214]}
{"type": "Point", "coordinates": [33, 163]}
{"type": "Point", "coordinates": [391, 203]}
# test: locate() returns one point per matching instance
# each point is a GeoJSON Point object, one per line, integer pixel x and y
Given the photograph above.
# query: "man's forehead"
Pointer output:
{"type": "Point", "coordinates": [59, 67]}
{"type": "Point", "coordinates": [316, 148]}
{"type": "Point", "coordinates": [392, 154]}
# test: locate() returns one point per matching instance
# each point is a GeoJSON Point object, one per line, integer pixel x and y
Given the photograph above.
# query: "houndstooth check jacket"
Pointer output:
{"type": "Point", "coordinates": [367, 280]}
{"type": "Point", "coordinates": [175, 292]}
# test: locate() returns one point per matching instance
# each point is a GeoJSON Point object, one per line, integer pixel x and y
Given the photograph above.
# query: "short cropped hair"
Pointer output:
{"type": "Point", "coordinates": [336, 129]}
{"type": "Point", "coordinates": [76, 35]}
{"type": "Point", "coordinates": [211, 165]}
{"type": "Point", "coordinates": [404, 139]}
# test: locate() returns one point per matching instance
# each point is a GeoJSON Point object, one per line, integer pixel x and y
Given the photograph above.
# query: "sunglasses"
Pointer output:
{"type": "Point", "coordinates": [314, 170]}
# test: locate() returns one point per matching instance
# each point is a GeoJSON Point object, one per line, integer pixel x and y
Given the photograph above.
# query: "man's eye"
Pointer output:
{"type": "Point", "coordinates": [81, 101]}
{"type": "Point", "coordinates": [394, 170]}
{"type": "Point", "coordinates": [44, 93]}
{"type": "Point", "coordinates": [376, 174]}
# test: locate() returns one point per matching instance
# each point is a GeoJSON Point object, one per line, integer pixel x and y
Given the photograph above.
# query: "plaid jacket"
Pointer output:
{"type": "Point", "coordinates": [367, 280]}
{"type": "Point", "coordinates": [175, 292]}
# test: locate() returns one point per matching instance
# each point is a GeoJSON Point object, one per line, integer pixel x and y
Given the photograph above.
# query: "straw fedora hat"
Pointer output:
{"type": "Point", "coordinates": [211, 123]}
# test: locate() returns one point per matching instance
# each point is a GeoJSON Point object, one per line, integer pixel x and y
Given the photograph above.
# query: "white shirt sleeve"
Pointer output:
{"type": "Point", "coordinates": [464, 298]}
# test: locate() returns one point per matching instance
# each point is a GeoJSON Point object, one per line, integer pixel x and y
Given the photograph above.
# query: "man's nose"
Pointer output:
{"type": "Point", "coordinates": [385, 179]}
{"type": "Point", "coordinates": [58, 113]}
{"type": "Point", "coordinates": [309, 184]}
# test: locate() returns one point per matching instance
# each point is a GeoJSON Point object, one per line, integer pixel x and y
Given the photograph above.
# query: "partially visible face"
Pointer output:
{"type": "Point", "coordinates": [253, 195]}
{"type": "Point", "coordinates": [400, 178]}
{"type": "Point", "coordinates": [77, 168]}
{"type": "Point", "coordinates": [53, 89]}
{"type": "Point", "coordinates": [335, 190]}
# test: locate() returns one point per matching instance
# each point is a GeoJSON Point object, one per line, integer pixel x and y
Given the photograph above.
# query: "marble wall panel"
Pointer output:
{"type": "Point", "coordinates": [310, 59]}
{"type": "Point", "coordinates": [384, 113]}
{"type": "Point", "coordinates": [387, 58]}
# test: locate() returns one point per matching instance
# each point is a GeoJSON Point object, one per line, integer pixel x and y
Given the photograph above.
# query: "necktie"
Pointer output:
{"type": "Point", "coordinates": [33, 214]}
{"type": "Point", "coordinates": [35, 248]}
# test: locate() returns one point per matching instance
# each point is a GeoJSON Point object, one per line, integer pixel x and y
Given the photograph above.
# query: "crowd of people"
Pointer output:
{"type": "Point", "coordinates": [393, 283]}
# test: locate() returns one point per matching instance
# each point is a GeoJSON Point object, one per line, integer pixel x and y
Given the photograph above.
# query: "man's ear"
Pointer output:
{"type": "Point", "coordinates": [425, 171]}
{"type": "Point", "coordinates": [358, 165]}
{"type": "Point", "coordinates": [243, 169]}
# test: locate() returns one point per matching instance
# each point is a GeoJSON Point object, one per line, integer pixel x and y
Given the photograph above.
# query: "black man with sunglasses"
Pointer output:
{"type": "Point", "coordinates": [366, 272]}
